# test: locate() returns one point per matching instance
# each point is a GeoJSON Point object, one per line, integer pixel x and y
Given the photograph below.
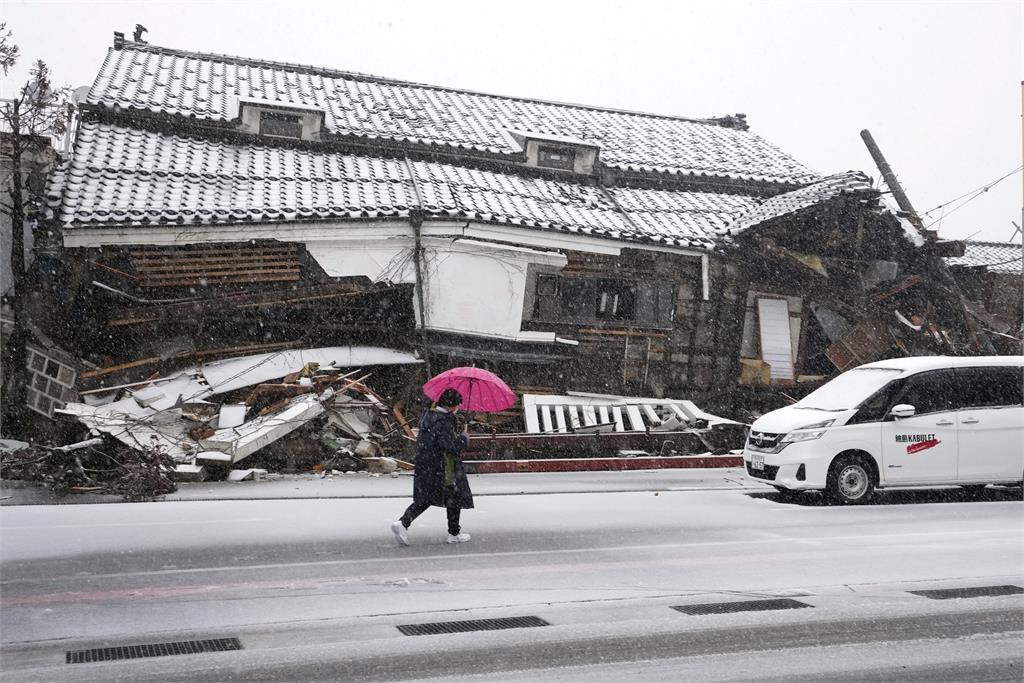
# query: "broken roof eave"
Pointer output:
{"type": "Point", "coordinates": [89, 236]}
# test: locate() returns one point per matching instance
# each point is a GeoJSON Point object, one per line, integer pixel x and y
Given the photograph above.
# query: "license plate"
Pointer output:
{"type": "Point", "coordinates": [757, 462]}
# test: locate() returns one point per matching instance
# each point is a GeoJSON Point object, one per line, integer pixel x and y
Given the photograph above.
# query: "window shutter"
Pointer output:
{"type": "Point", "coordinates": [646, 303]}
{"type": "Point", "coordinates": [578, 297]}
{"type": "Point", "coordinates": [655, 305]}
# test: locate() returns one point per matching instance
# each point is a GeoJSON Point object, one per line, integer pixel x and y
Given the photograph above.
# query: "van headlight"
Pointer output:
{"type": "Point", "coordinates": [808, 433]}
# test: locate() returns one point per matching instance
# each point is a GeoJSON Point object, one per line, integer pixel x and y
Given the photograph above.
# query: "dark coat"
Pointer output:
{"type": "Point", "coordinates": [439, 436]}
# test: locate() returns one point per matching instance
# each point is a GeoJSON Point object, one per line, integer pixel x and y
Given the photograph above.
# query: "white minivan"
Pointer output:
{"type": "Point", "coordinates": [921, 421]}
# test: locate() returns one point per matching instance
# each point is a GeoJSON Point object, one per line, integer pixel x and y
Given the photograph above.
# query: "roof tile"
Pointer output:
{"type": "Point", "coordinates": [124, 176]}
{"type": "Point", "coordinates": [208, 87]}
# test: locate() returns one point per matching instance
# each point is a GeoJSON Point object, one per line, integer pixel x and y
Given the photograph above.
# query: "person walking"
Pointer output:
{"type": "Point", "coordinates": [439, 478]}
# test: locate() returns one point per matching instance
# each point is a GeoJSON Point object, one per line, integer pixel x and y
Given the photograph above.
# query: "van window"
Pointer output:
{"type": "Point", "coordinates": [989, 387]}
{"type": "Point", "coordinates": [848, 390]}
{"type": "Point", "coordinates": [930, 392]}
{"type": "Point", "coordinates": [877, 406]}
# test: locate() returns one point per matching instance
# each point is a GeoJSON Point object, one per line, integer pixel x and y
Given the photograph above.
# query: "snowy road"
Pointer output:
{"type": "Point", "coordinates": [322, 581]}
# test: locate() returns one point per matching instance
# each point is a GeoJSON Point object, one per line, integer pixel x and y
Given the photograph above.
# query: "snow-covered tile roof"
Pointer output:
{"type": "Point", "coordinates": [208, 87]}
{"type": "Point", "coordinates": [127, 176]}
{"type": "Point", "coordinates": [850, 182]}
{"type": "Point", "coordinates": [996, 257]}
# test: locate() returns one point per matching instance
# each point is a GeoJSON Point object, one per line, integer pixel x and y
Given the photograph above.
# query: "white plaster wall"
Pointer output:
{"type": "Point", "coordinates": [470, 286]}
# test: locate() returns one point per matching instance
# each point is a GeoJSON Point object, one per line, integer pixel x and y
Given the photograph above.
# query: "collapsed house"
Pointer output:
{"type": "Point", "coordinates": [990, 276]}
{"type": "Point", "coordinates": [215, 203]}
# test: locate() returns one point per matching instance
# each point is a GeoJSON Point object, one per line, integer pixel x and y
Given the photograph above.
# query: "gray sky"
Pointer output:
{"type": "Point", "coordinates": [937, 83]}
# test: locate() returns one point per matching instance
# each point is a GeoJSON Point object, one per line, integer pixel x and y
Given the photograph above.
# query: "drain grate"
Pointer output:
{"type": "Point", "coordinates": [471, 625]}
{"type": "Point", "coordinates": [741, 606]}
{"type": "Point", "coordinates": [975, 592]}
{"type": "Point", "coordinates": [184, 647]}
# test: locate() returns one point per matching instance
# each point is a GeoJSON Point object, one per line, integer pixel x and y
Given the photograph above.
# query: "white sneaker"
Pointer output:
{"type": "Point", "coordinates": [399, 530]}
{"type": "Point", "coordinates": [461, 538]}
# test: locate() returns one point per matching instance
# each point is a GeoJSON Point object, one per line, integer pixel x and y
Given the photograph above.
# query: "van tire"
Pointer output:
{"type": "Point", "coordinates": [786, 495]}
{"type": "Point", "coordinates": [974, 491]}
{"type": "Point", "coordinates": [851, 480]}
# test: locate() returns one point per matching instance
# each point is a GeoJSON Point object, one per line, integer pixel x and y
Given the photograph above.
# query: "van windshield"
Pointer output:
{"type": "Point", "coordinates": [848, 390]}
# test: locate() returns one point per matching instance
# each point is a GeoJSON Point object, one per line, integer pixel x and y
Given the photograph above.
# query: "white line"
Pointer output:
{"type": "Point", "coordinates": [175, 523]}
{"type": "Point", "coordinates": [523, 553]}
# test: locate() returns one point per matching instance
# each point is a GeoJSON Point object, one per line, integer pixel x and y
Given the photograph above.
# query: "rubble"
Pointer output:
{"type": "Point", "coordinates": [208, 418]}
{"type": "Point", "coordinates": [581, 425]}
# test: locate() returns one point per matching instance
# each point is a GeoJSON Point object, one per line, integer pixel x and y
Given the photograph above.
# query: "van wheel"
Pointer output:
{"type": "Point", "coordinates": [850, 481]}
{"type": "Point", "coordinates": [974, 492]}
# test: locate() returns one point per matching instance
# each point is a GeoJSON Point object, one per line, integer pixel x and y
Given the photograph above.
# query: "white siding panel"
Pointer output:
{"type": "Point", "coordinates": [776, 342]}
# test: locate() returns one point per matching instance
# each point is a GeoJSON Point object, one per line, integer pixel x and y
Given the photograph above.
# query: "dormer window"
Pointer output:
{"type": "Point", "coordinates": [276, 119]}
{"type": "Point", "coordinates": [280, 125]}
{"type": "Point", "coordinates": [556, 152]}
{"type": "Point", "coordinates": [556, 157]}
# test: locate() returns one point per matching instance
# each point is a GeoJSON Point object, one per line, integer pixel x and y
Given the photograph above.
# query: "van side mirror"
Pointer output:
{"type": "Point", "coordinates": [903, 410]}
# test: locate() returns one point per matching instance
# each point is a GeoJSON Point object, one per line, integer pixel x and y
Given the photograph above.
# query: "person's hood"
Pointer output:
{"type": "Point", "coordinates": [433, 417]}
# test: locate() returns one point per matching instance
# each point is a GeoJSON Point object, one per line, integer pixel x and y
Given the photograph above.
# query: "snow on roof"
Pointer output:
{"type": "Point", "coordinates": [827, 189]}
{"type": "Point", "coordinates": [126, 176]}
{"type": "Point", "coordinates": [207, 87]}
{"type": "Point", "coordinates": [996, 257]}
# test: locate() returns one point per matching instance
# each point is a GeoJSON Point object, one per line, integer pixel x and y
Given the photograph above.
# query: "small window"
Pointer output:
{"type": "Point", "coordinates": [556, 157]}
{"type": "Point", "coordinates": [989, 387]}
{"type": "Point", "coordinates": [615, 300]}
{"type": "Point", "coordinates": [280, 125]}
{"type": "Point", "coordinates": [546, 304]}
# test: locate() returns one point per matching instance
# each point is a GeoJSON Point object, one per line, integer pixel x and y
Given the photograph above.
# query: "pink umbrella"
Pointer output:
{"type": "Point", "coordinates": [481, 390]}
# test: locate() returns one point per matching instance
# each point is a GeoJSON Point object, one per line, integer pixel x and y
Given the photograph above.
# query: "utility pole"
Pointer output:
{"type": "Point", "coordinates": [890, 179]}
{"type": "Point", "coordinates": [937, 266]}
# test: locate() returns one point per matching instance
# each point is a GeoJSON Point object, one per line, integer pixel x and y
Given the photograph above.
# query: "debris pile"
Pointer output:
{"type": "Point", "coordinates": [291, 409]}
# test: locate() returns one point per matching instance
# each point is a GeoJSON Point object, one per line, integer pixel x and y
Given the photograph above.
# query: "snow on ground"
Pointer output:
{"type": "Point", "coordinates": [109, 569]}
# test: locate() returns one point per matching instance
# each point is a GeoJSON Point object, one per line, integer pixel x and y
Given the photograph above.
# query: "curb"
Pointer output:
{"type": "Point", "coordinates": [601, 464]}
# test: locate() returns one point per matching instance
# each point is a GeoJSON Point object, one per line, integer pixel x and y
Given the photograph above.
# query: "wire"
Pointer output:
{"type": "Point", "coordinates": [971, 196]}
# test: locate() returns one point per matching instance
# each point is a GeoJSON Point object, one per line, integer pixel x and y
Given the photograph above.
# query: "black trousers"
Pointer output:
{"type": "Point", "coordinates": [417, 509]}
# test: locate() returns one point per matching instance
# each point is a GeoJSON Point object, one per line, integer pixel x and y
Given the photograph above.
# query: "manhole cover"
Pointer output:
{"type": "Point", "coordinates": [183, 647]}
{"type": "Point", "coordinates": [471, 625]}
{"type": "Point", "coordinates": [975, 592]}
{"type": "Point", "coordinates": [740, 606]}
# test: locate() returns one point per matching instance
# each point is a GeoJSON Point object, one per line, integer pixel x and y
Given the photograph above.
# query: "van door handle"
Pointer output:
{"type": "Point", "coordinates": [970, 421]}
{"type": "Point", "coordinates": [945, 423]}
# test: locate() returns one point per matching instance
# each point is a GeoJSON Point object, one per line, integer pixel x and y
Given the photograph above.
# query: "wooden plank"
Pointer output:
{"type": "Point", "coordinates": [530, 414]}
{"type": "Point", "coordinates": [239, 251]}
{"type": "Point", "coordinates": [617, 415]}
{"type": "Point", "coordinates": [545, 414]}
{"type": "Point", "coordinates": [247, 279]}
{"type": "Point", "coordinates": [231, 350]}
{"type": "Point", "coordinates": [560, 419]}
{"type": "Point", "coordinates": [652, 417]}
{"type": "Point", "coordinates": [635, 419]}
{"type": "Point", "coordinates": [218, 272]}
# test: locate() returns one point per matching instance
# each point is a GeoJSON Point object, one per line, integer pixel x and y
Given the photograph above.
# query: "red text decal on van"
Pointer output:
{"type": "Point", "coordinates": [922, 446]}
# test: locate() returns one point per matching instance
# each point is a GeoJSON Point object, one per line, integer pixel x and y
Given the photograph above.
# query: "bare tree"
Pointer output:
{"type": "Point", "coordinates": [28, 121]}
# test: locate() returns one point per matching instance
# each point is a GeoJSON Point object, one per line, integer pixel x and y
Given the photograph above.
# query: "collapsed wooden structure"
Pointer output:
{"type": "Point", "coordinates": [215, 203]}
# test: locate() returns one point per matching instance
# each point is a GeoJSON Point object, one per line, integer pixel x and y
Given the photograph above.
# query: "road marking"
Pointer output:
{"type": "Point", "coordinates": [204, 522]}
